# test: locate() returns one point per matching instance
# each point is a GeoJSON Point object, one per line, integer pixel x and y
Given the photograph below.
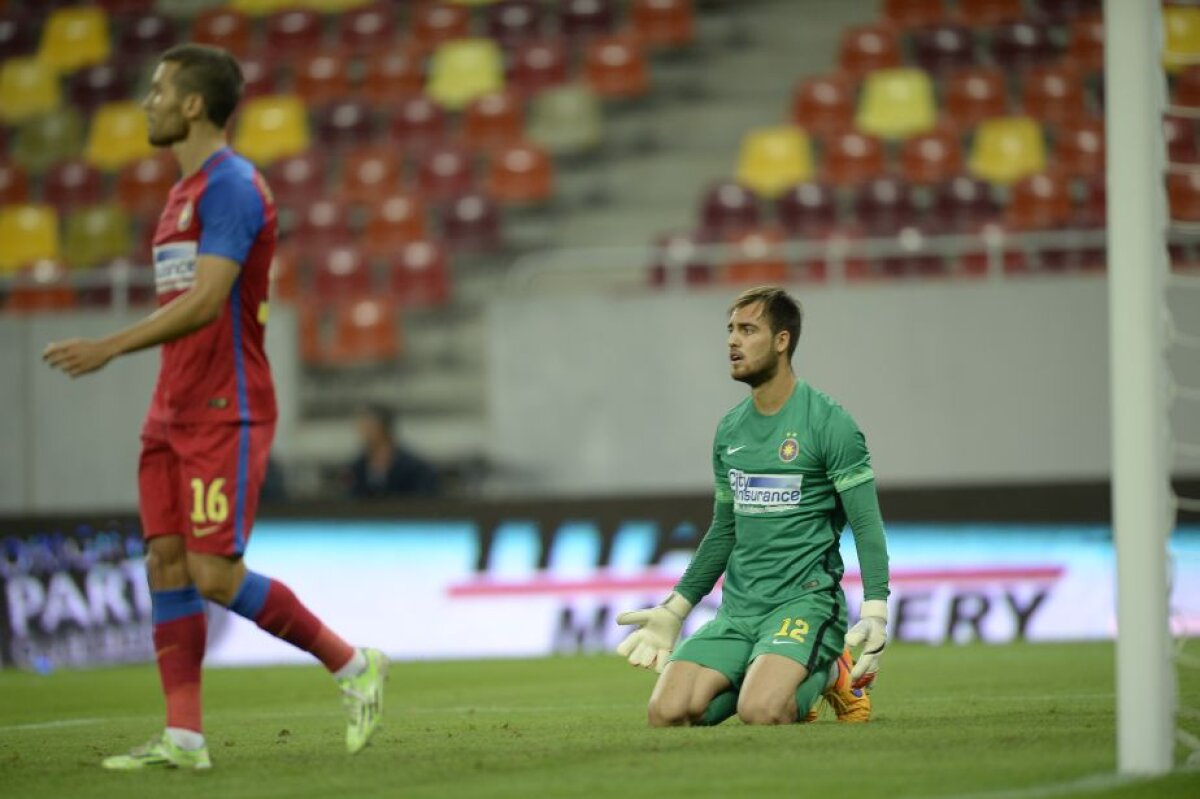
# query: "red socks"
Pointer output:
{"type": "Point", "coordinates": [179, 636]}
{"type": "Point", "coordinates": [272, 606]}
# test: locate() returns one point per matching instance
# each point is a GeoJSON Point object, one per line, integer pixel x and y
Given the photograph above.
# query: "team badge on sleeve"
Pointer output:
{"type": "Point", "coordinates": [789, 449]}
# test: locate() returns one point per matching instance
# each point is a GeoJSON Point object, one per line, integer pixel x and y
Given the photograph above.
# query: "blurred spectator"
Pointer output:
{"type": "Point", "coordinates": [384, 468]}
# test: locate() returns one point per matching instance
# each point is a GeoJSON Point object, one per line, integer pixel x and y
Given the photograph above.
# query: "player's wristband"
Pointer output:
{"type": "Point", "coordinates": [677, 606]}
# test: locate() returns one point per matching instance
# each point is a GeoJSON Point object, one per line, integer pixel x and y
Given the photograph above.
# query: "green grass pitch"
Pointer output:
{"type": "Point", "coordinates": [1004, 721]}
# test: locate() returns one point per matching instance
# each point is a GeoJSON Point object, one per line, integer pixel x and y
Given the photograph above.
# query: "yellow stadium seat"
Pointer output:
{"type": "Point", "coordinates": [272, 127]}
{"type": "Point", "coordinates": [75, 37]}
{"type": "Point", "coordinates": [1182, 45]}
{"type": "Point", "coordinates": [27, 88]}
{"type": "Point", "coordinates": [896, 104]}
{"type": "Point", "coordinates": [464, 69]}
{"type": "Point", "coordinates": [260, 8]}
{"type": "Point", "coordinates": [1007, 149]}
{"type": "Point", "coordinates": [774, 158]}
{"type": "Point", "coordinates": [567, 120]}
{"type": "Point", "coordinates": [333, 6]}
{"type": "Point", "coordinates": [118, 136]}
{"type": "Point", "coordinates": [27, 233]}
{"type": "Point", "coordinates": [96, 235]}
{"type": "Point", "coordinates": [48, 138]}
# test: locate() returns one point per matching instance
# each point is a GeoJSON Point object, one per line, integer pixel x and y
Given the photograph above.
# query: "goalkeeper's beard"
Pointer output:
{"type": "Point", "coordinates": [763, 375]}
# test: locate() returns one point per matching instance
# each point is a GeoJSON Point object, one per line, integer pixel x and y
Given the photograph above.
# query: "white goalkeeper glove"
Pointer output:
{"type": "Point", "coordinates": [657, 628]}
{"type": "Point", "coordinates": [871, 634]}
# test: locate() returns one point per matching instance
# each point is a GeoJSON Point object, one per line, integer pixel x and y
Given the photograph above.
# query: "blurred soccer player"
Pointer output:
{"type": "Point", "coordinates": [791, 467]}
{"type": "Point", "coordinates": [207, 434]}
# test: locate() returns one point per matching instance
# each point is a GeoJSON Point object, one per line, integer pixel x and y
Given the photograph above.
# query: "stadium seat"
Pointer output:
{"type": "Point", "coordinates": [1079, 147]}
{"type": "Point", "coordinates": [70, 184]}
{"type": "Point", "coordinates": [824, 105]}
{"type": "Point", "coordinates": [340, 7]}
{"type": "Point", "coordinates": [774, 158]}
{"type": "Point", "coordinates": [728, 208]}
{"type": "Point", "coordinates": [223, 27]}
{"type": "Point", "coordinates": [44, 285]}
{"type": "Point", "coordinates": [1186, 90]}
{"type": "Point", "coordinates": [539, 64]}
{"type": "Point", "coordinates": [17, 31]}
{"type": "Point", "coordinates": [14, 184]}
{"type": "Point", "coordinates": [143, 185]}
{"type": "Point", "coordinates": [260, 8]}
{"type": "Point", "coordinates": [419, 274]}
{"type": "Point", "coordinates": [896, 103]}
{"type": "Point", "coordinates": [47, 139]}
{"type": "Point", "coordinates": [321, 225]}
{"type": "Point", "coordinates": [298, 179]}
{"type": "Point", "coordinates": [1180, 135]}
{"type": "Point", "coordinates": [341, 272]}
{"type": "Point", "coordinates": [272, 127]}
{"type": "Point", "coordinates": [418, 124]}
{"type": "Point", "coordinates": [29, 233]}
{"type": "Point", "coordinates": [287, 278]}
{"type": "Point", "coordinates": [366, 331]}
{"type": "Point", "coordinates": [75, 37]}
{"type": "Point", "coordinates": [146, 35]}
{"type": "Point", "coordinates": [520, 173]}
{"type": "Point", "coordinates": [931, 157]}
{"type": "Point", "coordinates": [94, 86]}
{"type": "Point", "coordinates": [293, 32]}
{"type": "Point", "coordinates": [1061, 12]}
{"type": "Point", "coordinates": [321, 78]}
{"type": "Point", "coordinates": [963, 204]}
{"type": "Point", "coordinates": [1053, 95]}
{"type": "Point", "coordinates": [511, 22]}
{"type": "Point", "coordinates": [394, 220]}
{"type": "Point", "coordinates": [367, 29]}
{"type": "Point", "coordinates": [445, 171]}
{"type": "Point", "coordinates": [391, 75]}
{"type": "Point", "coordinates": [807, 209]}
{"type": "Point", "coordinates": [566, 120]}
{"type": "Point", "coordinates": [616, 68]}
{"type": "Point", "coordinates": [678, 259]}
{"type": "Point", "coordinates": [756, 257]}
{"type": "Point", "coordinates": [471, 223]}
{"type": "Point", "coordinates": [973, 95]}
{"type": "Point", "coordinates": [1092, 204]}
{"type": "Point", "coordinates": [1183, 191]}
{"type": "Point", "coordinates": [1085, 43]}
{"type": "Point", "coordinates": [371, 172]}
{"type": "Point", "coordinates": [258, 76]}
{"type": "Point", "coordinates": [118, 136]}
{"type": "Point", "coordinates": [492, 121]}
{"type": "Point", "coordinates": [95, 235]}
{"type": "Point", "coordinates": [914, 13]}
{"type": "Point", "coordinates": [1039, 202]}
{"type": "Point", "coordinates": [433, 24]}
{"type": "Point", "coordinates": [580, 20]}
{"type": "Point", "coordinates": [885, 205]}
{"type": "Point", "coordinates": [1021, 44]}
{"type": "Point", "coordinates": [1181, 25]}
{"type": "Point", "coordinates": [1007, 149]}
{"type": "Point", "coordinates": [663, 23]}
{"type": "Point", "coordinates": [464, 69]}
{"type": "Point", "coordinates": [986, 13]}
{"type": "Point", "coordinates": [866, 48]}
{"type": "Point", "coordinates": [852, 157]}
{"type": "Point", "coordinates": [27, 88]}
{"type": "Point", "coordinates": [943, 48]}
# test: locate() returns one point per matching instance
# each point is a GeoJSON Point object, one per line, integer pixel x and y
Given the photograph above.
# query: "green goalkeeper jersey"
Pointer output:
{"type": "Point", "coordinates": [784, 487]}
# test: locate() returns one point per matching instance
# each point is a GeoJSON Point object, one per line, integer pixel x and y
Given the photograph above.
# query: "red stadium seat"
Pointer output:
{"type": "Point", "coordinates": [286, 275]}
{"type": "Point", "coordinates": [44, 285]}
{"type": "Point", "coordinates": [419, 274]}
{"type": "Point", "coordinates": [339, 273]}
{"type": "Point", "coordinates": [345, 123]}
{"type": "Point", "coordinates": [1060, 12]}
{"type": "Point", "coordinates": [71, 184]}
{"type": "Point", "coordinates": [663, 23]}
{"type": "Point", "coordinates": [580, 20]}
{"type": "Point", "coordinates": [973, 95]}
{"type": "Point", "coordinates": [511, 22]}
{"type": "Point", "coordinates": [371, 172]}
{"type": "Point", "coordinates": [1039, 202]}
{"type": "Point", "coordinates": [913, 13]}
{"type": "Point", "coordinates": [293, 32]}
{"type": "Point", "coordinates": [436, 23]}
{"type": "Point", "coordinates": [757, 257]}
{"type": "Point", "coordinates": [394, 221]}
{"type": "Point", "coordinates": [146, 36]}
{"type": "Point", "coordinates": [1183, 190]}
{"type": "Point", "coordinates": [852, 158]}
{"type": "Point", "coordinates": [321, 78]}
{"type": "Point", "coordinates": [931, 157]}
{"type": "Point", "coordinates": [445, 171]}
{"type": "Point", "coordinates": [728, 208]}
{"type": "Point", "coordinates": [943, 48]}
{"type": "Point", "coordinates": [985, 13]}
{"type": "Point", "coordinates": [1053, 94]}
{"type": "Point", "coordinates": [14, 184]}
{"type": "Point", "coordinates": [365, 30]}
{"type": "Point", "coordinates": [471, 223]}
{"type": "Point", "coordinates": [1021, 44]}
{"type": "Point", "coordinates": [539, 64]}
{"type": "Point", "coordinates": [1180, 135]}
{"type": "Point", "coordinates": [616, 68]}
{"type": "Point", "coordinates": [92, 87]}
{"type": "Point", "coordinates": [418, 124]}
{"type": "Point", "coordinates": [223, 27]}
{"type": "Point", "coordinates": [1079, 147]}
{"type": "Point", "coordinates": [391, 75]}
{"type": "Point", "coordinates": [258, 74]}
{"type": "Point", "coordinates": [678, 259]}
{"type": "Point", "coordinates": [521, 174]}
{"type": "Point", "coordinates": [366, 331]}
{"type": "Point", "coordinates": [1186, 91]}
{"type": "Point", "coordinates": [824, 105]}
{"type": "Point", "coordinates": [866, 48]}
{"type": "Point", "coordinates": [1092, 205]}
{"type": "Point", "coordinates": [298, 179]}
{"type": "Point", "coordinates": [885, 205]}
{"type": "Point", "coordinates": [321, 225]}
{"type": "Point", "coordinates": [492, 121]}
{"type": "Point", "coordinates": [1085, 43]}
{"type": "Point", "coordinates": [807, 209]}
{"type": "Point", "coordinates": [963, 204]}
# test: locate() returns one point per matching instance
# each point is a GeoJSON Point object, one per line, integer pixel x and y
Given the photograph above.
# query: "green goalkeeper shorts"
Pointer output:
{"type": "Point", "coordinates": [809, 630]}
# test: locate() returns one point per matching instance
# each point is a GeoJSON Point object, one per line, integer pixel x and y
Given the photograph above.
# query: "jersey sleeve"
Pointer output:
{"type": "Point", "coordinates": [847, 462]}
{"type": "Point", "coordinates": [231, 214]}
{"type": "Point", "coordinates": [712, 556]}
{"type": "Point", "coordinates": [870, 540]}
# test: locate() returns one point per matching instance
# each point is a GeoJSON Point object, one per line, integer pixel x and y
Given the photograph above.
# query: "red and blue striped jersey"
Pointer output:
{"type": "Point", "coordinates": [220, 372]}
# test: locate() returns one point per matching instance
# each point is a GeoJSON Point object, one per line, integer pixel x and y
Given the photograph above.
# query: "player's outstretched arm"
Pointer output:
{"type": "Point", "coordinates": [190, 311]}
{"type": "Point", "coordinates": [866, 520]}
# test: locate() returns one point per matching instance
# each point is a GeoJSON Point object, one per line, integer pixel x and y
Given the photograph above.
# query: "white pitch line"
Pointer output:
{"type": "Point", "coordinates": [50, 725]}
{"type": "Point", "coordinates": [1089, 784]}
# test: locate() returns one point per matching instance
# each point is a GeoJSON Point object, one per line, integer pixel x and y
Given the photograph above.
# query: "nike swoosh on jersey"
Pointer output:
{"type": "Point", "coordinates": [731, 450]}
{"type": "Point", "coordinates": [201, 532]}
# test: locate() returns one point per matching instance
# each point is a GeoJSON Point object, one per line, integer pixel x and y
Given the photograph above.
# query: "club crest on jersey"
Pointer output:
{"type": "Point", "coordinates": [185, 216]}
{"type": "Point", "coordinates": [789, 449]}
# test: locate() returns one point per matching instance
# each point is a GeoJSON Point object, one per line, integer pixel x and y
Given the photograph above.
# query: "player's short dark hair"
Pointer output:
{"type": "Point", "coordinates": [781, 310]}
{"type": "Point", "coordinates": [382, 415]}
{"type": "Point", "coordinates": [210, 72]}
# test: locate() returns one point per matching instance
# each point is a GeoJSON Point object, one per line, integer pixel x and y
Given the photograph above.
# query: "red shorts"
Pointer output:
{"type": "Point", "coordinates": [201, 481]}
